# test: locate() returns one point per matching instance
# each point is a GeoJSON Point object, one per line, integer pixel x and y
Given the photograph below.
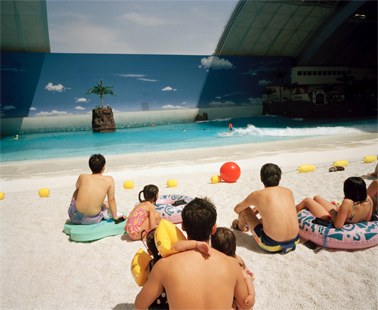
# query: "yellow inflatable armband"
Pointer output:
{"type": "Point", "coordinates": [370, 158]}
{"type": "Point", "coordinates": [166, 234]}
{"type": "Point", "coordinates": [306, 168]}
{"type": "Point", "coordinates": [139, 267]}
{"type": "Point", "coordinates": [340, 163]}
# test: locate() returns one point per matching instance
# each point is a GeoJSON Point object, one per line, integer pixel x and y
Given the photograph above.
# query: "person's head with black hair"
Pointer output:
{"type": "Point", "coordinates": [270, 175]}
{"type": "Point", "coordinates": [150, 193]}
{"type": "Point", "coordinates": [97, 163]}
{"type": "Point", "coordinates": [224, 241]}
{"type": "Point", "coordinates": [355, 189]}
{"type": "Point", "coordinates": [198, 219]}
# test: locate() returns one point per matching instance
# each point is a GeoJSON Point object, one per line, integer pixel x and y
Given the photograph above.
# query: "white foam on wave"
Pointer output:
{"type": "Point", "coordinates": [251, 130]}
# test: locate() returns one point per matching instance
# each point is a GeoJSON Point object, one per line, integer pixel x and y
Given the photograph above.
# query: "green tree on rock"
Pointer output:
{"type": "Point", "coordinates": [101, 91]}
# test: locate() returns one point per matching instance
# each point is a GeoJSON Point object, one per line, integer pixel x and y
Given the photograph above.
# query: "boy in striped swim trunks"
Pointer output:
{"type": "Point", "coordinates": [87, 203]}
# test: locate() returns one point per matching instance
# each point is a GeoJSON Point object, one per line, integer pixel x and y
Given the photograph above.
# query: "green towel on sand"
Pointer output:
{"type": "Point", "coordinates": [84, 233]}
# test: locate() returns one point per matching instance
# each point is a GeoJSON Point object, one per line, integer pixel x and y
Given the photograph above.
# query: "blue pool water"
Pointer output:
{"type": "Point", "coordinates": [174, 136]}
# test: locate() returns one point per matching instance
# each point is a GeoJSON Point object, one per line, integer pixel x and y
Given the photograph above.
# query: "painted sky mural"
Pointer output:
{"type": "Point", "coordinates": [57, 84]}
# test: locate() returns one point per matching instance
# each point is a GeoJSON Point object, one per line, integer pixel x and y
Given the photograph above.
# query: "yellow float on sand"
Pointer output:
{"type": "Point", "coordinates": [171, 183]}
{"type": "Point", "coordinates": [44, 192]}
{"type": "Point", "coordinates": [128, 184]}
{"type": "Point", "coordinates": [2, 195]}
{"type": "Point", "coordinates": [340, 163]}
{"type": "Point", "coordinates": [370, 158]}
{"type": "Point", "coordinates": [306, 168]}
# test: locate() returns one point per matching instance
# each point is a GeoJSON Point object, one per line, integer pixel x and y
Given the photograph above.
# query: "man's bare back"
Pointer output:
{"type": "Point", "coordinates": [276, 230]}
{"type": "Point", "coordinates": [92, 190]}
{"type": "Point", "coordinates": [276, 206]}
{"type": "Point", "coordinates": [192, 281]}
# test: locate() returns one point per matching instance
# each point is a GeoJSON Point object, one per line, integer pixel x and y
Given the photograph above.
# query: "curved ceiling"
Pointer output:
{"type": "Point", "coordinates": [24, 26]}
{"type": "Point", "coordinates": [331, 32]}
{"type": "Point", "coordinates": [313, 32]}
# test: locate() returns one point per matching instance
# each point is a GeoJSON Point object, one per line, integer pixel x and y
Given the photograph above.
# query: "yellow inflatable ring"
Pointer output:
{"type": "Point", "coordinates": [166, 234]}
{"type": "Point", "coordinates": [306, 168]}
{"type": "Point", "coordinates": [139, 267]}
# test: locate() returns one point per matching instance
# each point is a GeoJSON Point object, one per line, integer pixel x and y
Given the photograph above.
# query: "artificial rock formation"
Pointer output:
{"type": "Point", "coordinates": [103, 120]}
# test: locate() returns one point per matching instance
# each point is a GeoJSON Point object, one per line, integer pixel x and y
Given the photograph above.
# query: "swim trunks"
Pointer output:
{"type": "Point", "coordinates": [79, 218]}
{"type": "Point", "coordinates": [134, 222]}
{"type": "Point", "coordinates": [273, 246]}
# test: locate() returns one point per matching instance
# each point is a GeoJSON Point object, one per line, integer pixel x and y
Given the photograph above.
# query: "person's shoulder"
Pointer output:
{"type": "Point", "coordinates": [109, 178]}
{"type": "Point", "coordinates": [260, 192]}
{"type": "Point", "coordinates": [346, 203]}
{"type": "Point", "coordinates": [221, 256]}
{"type": "Point", "coordinates": [174, 260]}
{"type": "Point", "coordinates": [232, 263]}
{"type": "Point", "coordinates": [284, 189]}
{"type": "Point", "coordinates": [255, 193]}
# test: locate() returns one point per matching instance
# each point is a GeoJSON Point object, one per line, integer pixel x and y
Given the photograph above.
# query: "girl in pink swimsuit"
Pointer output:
{"type": "Point", "coordinates": [143, 217]}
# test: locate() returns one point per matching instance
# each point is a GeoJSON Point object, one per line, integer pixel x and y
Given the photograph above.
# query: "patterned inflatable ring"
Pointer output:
{"type": "Point", "coordinates": [350, 237]}
{"type": "Point", "coordinates": [170, 207]}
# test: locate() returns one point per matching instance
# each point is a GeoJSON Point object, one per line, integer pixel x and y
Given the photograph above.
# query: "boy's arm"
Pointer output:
{"type": "Point", "coordinates": [244, 204]}
{"type": "Point", "coordinates": [78, 182]}
{"type": "Point", "coordinates": [111, 198]}
{"type": "Point", "coordinates": [185, 245]}
{"type": "Point", "coordinates": [151, 289]}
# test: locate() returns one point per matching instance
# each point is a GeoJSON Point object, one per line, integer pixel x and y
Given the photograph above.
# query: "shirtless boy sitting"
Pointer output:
{"type": "Point", "coordinates": [87, 204]}
{"type": "Point", "coordinates": [277, 230]}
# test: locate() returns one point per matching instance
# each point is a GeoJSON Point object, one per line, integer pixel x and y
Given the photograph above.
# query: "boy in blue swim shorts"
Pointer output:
{"type": "Point", "coordinates": [269, 213]}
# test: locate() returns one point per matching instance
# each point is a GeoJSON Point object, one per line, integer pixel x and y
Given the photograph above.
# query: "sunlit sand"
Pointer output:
{"type": "Point", "coordinates": [42, 269]}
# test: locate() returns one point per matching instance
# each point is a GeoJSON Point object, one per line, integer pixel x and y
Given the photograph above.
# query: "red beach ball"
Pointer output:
{"type": "Point", "coordinates": [230, 172]}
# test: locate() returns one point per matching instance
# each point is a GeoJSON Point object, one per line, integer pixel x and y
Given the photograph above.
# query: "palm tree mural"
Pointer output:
{"type": "Point", "coordinates": [102, 117]}
{"type": "Point", "coordinates": [101, 90]}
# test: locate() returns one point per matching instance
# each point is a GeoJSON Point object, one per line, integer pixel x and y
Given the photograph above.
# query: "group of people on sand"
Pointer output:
{"type": "Point", "coordinates": [217, 277]}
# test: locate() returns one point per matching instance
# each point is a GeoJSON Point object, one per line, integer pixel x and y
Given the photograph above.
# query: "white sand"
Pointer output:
{"type": "Point", "coordinates": [42, 269]}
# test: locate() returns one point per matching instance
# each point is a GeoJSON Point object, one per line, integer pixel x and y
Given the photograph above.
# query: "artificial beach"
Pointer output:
{"type": "Point", "coordinates": [51, 272]}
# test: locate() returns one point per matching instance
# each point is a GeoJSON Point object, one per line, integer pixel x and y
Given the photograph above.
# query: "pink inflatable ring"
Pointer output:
{"type": "Point", "coordinates": [350, 237]}
{"type": "Point", "coordinates": [170, 207]}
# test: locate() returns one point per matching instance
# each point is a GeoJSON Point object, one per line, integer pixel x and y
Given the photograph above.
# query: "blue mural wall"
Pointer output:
{"type": "Point", "coordinates": [37, 84]}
